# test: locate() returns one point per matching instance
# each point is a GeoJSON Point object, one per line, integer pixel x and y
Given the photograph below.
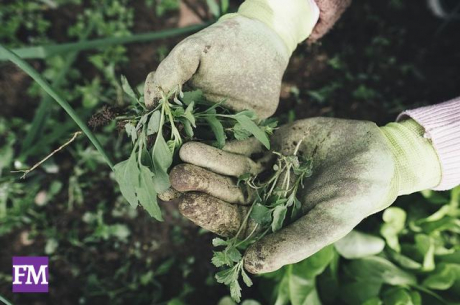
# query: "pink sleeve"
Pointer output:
{"type": "Point", "coordinates": [442, 126]}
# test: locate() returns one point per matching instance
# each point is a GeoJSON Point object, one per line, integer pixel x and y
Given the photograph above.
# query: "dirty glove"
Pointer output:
{"type": "Point", "coordinates": [241, 58]}
{"type": "Point", "coordinates": [358, 170]}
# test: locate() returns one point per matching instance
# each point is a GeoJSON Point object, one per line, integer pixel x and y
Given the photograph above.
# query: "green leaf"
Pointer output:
{"type": "Point", "coordinates": [358, 292]}
{"type": "Point", "coordinates": [246, 279]}
{"type": "Point", "coordinates": [225, 276]}
{"type": "Point", "coordinates": [282, 296]}
{"type": "Point", "coordinates": [128, 89]}
{"type": "Point", "coordinates": [161, 154]}
{"type": "Point", "coordinates": [154, 123]}
{"type": "Point", "coordinates": [261, 214]}
{"type": "Point", "coordinates": [426, 247]}
{"type": "Point", "coordinates": [142, 121]}
{"type": "Point", "coordinates": [404, 261]}
{"type": "Point", "coordinates": [192, 96]}
{"type": "Point", "coordinates": [356, 245]}
{"type": "Point", "coordinates": [394, 219]}
{"type": "Point", "coordinates": [217, 241]}
{"type": "Point", "coordinates": [217, 129]}
{"type": "Point", "coordinates": [131, 131]}
{"type": "Point", "coordinates": [315, 264]}
{"type": "Point", "coordinates": [379, 270]}
{"type": "Point", "coordinates": [434, 197]}
{"type": "Point", "coordinates": [224, 4]}
{"type": "Point", "coordinates": [240, 133]}
{"type": "Point", "coordinates": [147, 195]}
{"type": "Point", "coordinates": [442, 279]}
{"type": "Point", "coordinates": [235, 291]}
{"type": "Point", "coordinates": [213, 8]}
{"type": "Point", "coordinates": [255, 130]}
{"type": "Point", "coordinates": [189, 115]}
{"type": "Point", "coordinates": [127, 175]}
{"type": "Point", "coordinates": [373, 301]}
{"type": "Point", "coordinates": [279, 214]}
{"type": "Point", "coordinates": [397, 296]}
{"type": "Point", "coordinates": [219, 259]}
{"type": "Point", "coordinates": [302, 291]}
{"type": "Point", "coordinates": [188, 128]}
{"type": "Point", "coordinates": [162, 160]}
{"type": "Point", "coordinates": [233, 254]}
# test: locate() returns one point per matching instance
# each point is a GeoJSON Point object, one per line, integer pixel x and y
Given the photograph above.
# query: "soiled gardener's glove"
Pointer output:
{"type": "Point", "coordinates": [241, 58]}
{"type": "Point", "coordinates": [358, 170]}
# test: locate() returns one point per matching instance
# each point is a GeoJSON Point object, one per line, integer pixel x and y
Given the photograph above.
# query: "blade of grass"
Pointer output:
{"type": "Point", "coordinates": [5, 301]}
{"type": "Point", "coordinates": [41, 52]}
{"type": "Point", "coordinates": [48, 89]}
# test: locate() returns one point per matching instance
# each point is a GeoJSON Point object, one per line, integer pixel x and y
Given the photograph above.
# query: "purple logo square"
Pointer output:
{"type": "Point", "coordinates": [30, 274]}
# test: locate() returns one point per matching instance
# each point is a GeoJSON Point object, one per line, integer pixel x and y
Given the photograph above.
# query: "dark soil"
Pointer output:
{"type": "Point", "coordinates": [390, 58]}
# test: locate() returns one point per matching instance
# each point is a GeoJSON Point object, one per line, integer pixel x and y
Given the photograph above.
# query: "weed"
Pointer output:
{"type": "Point", "coordinates": [176, 118]}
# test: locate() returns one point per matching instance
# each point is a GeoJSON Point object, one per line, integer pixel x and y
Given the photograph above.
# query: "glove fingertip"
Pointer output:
{"type": "Point", "coordinates": [150, 95]}
{"type": "Point", "coordinates": [255, 260]}
{"type": "Point", "coordinates": [169, 195]}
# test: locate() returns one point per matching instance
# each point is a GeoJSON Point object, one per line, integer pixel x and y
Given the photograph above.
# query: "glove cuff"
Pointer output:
{"type": "Point", "coordinates": [417, 163]}
{"type": "Point", "coordinates": [441, 123]}
{"type": "Point", "coordinates": [292, 20]}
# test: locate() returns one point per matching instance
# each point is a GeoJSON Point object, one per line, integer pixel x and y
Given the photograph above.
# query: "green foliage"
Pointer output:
{"type": "Point", "coordinates": [417, 264]}
{"type": "Point", "coordinates": [70, 210]}
{"type": "Point", "coordinates": [274, 197]}
{"type": "Point", "coordinates": [145, 173]}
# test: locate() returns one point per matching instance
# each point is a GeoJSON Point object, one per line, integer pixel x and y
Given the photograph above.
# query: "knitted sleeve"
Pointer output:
{"type": "Point", "coordinates": [442, 127]}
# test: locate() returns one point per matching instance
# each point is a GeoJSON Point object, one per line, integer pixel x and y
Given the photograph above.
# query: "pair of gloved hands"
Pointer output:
{"type": "Point", "coordinates": [358, 168]}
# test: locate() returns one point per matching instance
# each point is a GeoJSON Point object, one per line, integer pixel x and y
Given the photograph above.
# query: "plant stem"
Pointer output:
{"type": "Point", "coordinates": [42, 52]}
{"type": "Point", "coordinates": [48, 89]}
{"type": "Point", "coordinates": [5, 301]}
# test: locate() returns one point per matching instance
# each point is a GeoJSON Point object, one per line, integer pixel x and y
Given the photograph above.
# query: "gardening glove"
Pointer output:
{"type": "Point", "coordinates": [240, 59]}
{"type": "Point", "coordinates": [358, 169]}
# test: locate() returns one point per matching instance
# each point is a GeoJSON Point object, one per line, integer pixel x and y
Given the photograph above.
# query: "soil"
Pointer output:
{"type": "Point", "coordinates": [402, 57]}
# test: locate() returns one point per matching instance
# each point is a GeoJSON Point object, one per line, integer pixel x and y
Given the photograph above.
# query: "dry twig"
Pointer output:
{"type": "Point", "coordinates": [75, 135]}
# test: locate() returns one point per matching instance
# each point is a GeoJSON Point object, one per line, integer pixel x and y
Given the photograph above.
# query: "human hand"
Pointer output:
{"type": "Point", "coordinates": [240, 59]}
{"type": "Point", "coordinates": [330, 12]}
{"type": "Point", "coordinates": [358, 170]}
